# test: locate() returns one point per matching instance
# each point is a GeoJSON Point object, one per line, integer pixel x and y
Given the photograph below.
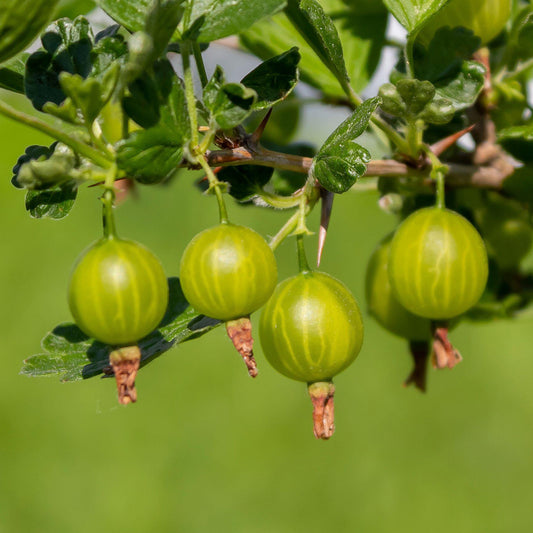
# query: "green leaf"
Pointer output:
{"type": "Point", "coordinates": [519, 184]}
{"type": "Point", "coordinates": [462, 91]}
{"type": "Point", "coordinates": [228, 103]}
{"type": "Point", "coordinates": [150, 155]}
{"type": "Point", "coordinates": [42, 167]}
{"type": "Point", "coordinates": [317, 28]}
{"type": "Point", "coordinates": [340, 161]}
{"type": "Point", "coordinates": [147, 45]}
{"type": "Point", "coordinates": [107, 51]}
{"type": "Point", "coordinates": [131, 15]}
{"type": "Point", "coordinates": [161, 22]}
{"type": "Point", "coordinates": [88, 96]}
{"type": "Point", "coordinates": [213, 19]}
{"type": "Point", "coordinates": [55, 203]}
{"type": "Point", "coordinates": [446, 53]}
{"type": "Point", "coordinates": [274, 79]}
{"type": "Point", "coordinates": [510, 103]}
{"type": "Point", "coordinates": [20, 23]}
{"type": "Point", "coordinates": [70, 355]}
{"type": "Point", "coordinates": [34, 152]}
{"type": "Point", "coordinates": [222, 18]}
{"type": "Point", "coordinates": [520, 46]}
{"type": "Point", "coordinates": [12, 73]}
{"type": "Point", "coordinates": [415, 94]}
{"type": "Point", "coordinates": [518, 141]}
{"type": "Point", "coordinates": [73, 8]}
{"type": "Point", "coordinates": [67, 48]}
{"type": "Point", "coordinates": [143, 102]}
{"type": "Point", "coordinates": [413, 14]}
{"type": "Point", "coordinates": [414, 99]}
{"type": "Point", "coordinates": [245, 180]}
{"type": "Point", "coordinates": [361, 32]}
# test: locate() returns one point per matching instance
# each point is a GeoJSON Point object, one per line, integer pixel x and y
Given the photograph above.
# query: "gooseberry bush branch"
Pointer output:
{"type": "Point", "coordinates": [117, 112]}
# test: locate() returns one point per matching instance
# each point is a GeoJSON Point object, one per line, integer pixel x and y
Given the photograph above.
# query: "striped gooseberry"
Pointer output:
{"type": "Point", "coordinates": [227, 272]}
{"type": "Point", "coordinates": [383, 304]}
{"type": "Point", "coordinates": [486, 18]}
{"type": "Point", "coordinates": [438, 264]}
{"type": "Point", "coordinates": [311, 329]}
{"type": "Point", "coordinates": [118, 291]}
{"type": "Point", "coordinates": [506, 229]}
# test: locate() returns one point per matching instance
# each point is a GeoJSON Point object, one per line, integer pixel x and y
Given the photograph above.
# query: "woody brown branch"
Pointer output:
{"type": "Point", "coordinates": [488, 176]}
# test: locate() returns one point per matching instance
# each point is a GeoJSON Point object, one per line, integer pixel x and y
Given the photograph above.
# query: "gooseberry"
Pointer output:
{"type": "Point", "coordinates": [118, 291]}
{"type": "Point", "coordinates": [384, 306]}
{"type": "Point", "coordinates": [311, 329]}
{"type": "Point", "coordinates": [228, 272]}
{"type": "Point", "coordinates": [486, 18]}
{"type": "Point", "coordinates": [438, 264]}
{"type": "Point", "coordinates": [506, 230]}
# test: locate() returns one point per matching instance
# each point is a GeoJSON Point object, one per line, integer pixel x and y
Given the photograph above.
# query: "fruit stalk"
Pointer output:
{"type": "Point", "coordinates": [322, 396]}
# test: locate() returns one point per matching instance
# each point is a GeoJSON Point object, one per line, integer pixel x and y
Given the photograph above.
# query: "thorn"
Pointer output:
{"type": "Point", "coordinates": [440, 146]}
{"type": "Point", "coordinates": [325, 215]}
{"type": "Point", "coordinates": [257, 134]}
{"type": "Point", "coordinates": [216, 170]}
{"type": "Point", "coordinates": [124, 188]}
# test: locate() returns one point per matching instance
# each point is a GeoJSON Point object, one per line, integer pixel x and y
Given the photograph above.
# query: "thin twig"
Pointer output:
{"type": "Point", "coordinates": [489, 176]}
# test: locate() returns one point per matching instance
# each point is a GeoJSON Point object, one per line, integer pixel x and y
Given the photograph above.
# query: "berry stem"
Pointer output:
{"type": "Point", "coordinates": [189, 93]}
{"type": "Point", "coordinates": [196, 151]}
{"type": "Point", "coordinates": [215, 185]}
{"type": "Point", "coordinates": [438, 173]}
{"type": "Point", "coordinates": [108, 200]}
{"type": "Point", "coordinates": [302, 259]}
{"type": "Point", "coordinates": [441, 196]}
{"type": "Point", "coordinates": [285, 231]}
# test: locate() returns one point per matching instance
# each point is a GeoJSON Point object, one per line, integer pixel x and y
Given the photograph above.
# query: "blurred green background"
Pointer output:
{"type": "Point", "coordinates": [208, 449]}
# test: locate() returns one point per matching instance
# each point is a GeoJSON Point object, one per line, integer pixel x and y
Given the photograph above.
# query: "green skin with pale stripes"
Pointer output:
{"type": "Point", "coordinates": [118, 291]}
{"type": "Point", "coordinates": [384, 306]}
{"type": "Point", "coordinates": [311, 328]}
{"type": "Point", "coordinates": [438, 264]}
{"type": "Point", "coordinates": [486, 18]}
{"type": "Point", "coordinates": [228, 272]}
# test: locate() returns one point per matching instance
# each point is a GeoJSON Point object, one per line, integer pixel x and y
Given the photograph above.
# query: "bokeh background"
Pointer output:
{"type": "Point", "coordinates": [206, 448]}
